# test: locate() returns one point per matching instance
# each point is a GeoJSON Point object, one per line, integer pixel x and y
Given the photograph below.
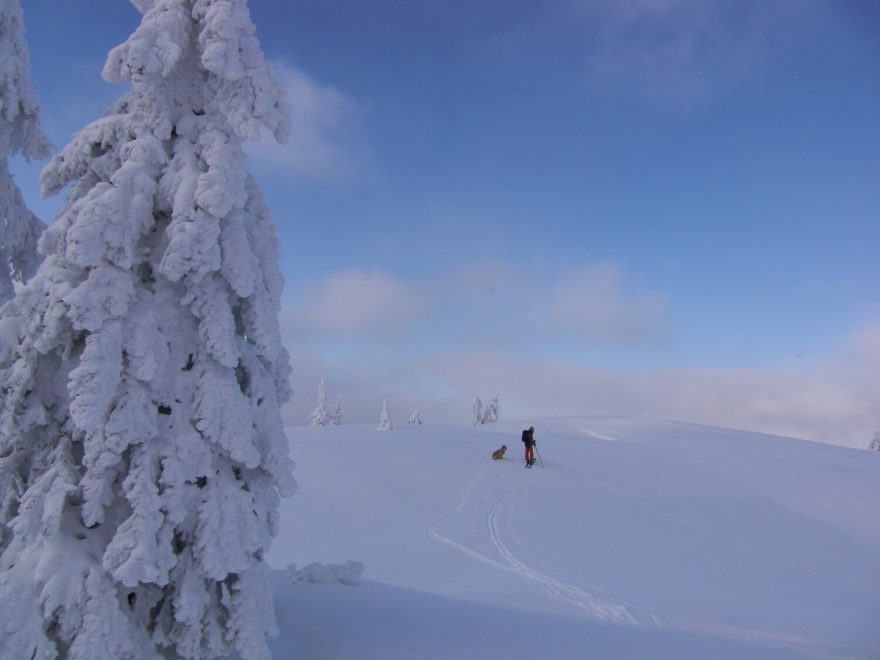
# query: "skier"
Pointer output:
{"type": "Point", "coordinates": [528, 438]}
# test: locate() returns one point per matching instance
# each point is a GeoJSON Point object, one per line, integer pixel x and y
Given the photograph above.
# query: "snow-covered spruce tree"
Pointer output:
{"type": "Point", "coordinates": [385, 418]}
{"type": "Point", "coordinates": [415, 419]}
{"type": "Point", "coordinates": [477, 417]}
{"type": "Point", "coordinates": [875, 442]}
{"type": "Point", "coordinates": [337, 414]}
{"type": "Point", "coordinates": [142, 451]}
{"type": "Point", "coordinates": [490, 416]}
{"type": "Point", "coordinates": [320, 416]}
{"type": "Point", "coordinates": [19, 134]}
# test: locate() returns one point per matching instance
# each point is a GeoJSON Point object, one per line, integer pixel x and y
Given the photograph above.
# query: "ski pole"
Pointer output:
{"type": "Point", "coordinates": [539, 456]}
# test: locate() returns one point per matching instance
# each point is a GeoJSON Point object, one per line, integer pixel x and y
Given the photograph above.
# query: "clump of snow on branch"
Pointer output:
{"type": "Point", "coordinates": [415, 419]}
{"type": "Point", "coordinates": [20, 134]}
{"type": "Point", "coordinates": [142, 452]}
{"type": "Point", "coordinates": [348, 573]}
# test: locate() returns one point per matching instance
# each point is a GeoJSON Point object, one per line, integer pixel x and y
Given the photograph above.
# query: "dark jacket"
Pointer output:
{"type": "Point", "coordinates": [528, 437]}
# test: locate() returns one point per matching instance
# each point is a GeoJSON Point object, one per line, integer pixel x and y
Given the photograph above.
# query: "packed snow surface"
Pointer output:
{"type": "Point", "coordinates": [635, 539]}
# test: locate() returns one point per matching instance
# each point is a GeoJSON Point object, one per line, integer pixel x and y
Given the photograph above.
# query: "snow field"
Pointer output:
{"type": "Point", "coordinates": [637, 532]}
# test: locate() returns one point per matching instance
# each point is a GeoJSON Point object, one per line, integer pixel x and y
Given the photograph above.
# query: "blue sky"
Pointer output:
{"type": "Point", "coordinates": [655, 207]}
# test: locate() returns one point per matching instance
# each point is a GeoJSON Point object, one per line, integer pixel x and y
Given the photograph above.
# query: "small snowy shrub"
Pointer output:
{"type": "Point", "coordinates": [384, 418]}
{"type": "Point", "coordinates": [348, 573]}
{"type": "Point", "coordinates": [320, 416]}
{"type": "Point", "coordinates": [477, 417]}
{"type": "Point", "coordinates": [337, 414]}
{"type": "Point", "coordinates": [490, 416]}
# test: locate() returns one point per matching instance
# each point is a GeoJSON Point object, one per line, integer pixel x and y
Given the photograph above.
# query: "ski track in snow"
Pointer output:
{"type": "Point", "coordinates": [431, 530]}
{"type": "Point", "coordinates": [568, 593]}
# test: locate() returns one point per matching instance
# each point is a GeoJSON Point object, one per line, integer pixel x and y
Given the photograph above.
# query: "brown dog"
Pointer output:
{"type": "Point", "coordinates": [498, 454]}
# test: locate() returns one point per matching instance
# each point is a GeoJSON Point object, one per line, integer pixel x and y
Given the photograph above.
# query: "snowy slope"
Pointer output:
{"type": "Point", "coordinates": [638, 538]}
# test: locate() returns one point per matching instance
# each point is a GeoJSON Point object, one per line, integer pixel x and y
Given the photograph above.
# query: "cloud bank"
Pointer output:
{"type": "Point", "coordinates": [685, 52]}
{"type": "Point", "coordinates": [482, 305]}
{"type": "Point", "coordinates": [833, 403]}
{"type": "Point", "coordinates": [358, 304]}
{"type": "Point", "coordinates": [434, 344]}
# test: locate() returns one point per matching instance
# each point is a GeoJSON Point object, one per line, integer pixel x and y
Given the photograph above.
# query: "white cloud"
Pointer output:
{"type": "Point", "coordinates": [364, 304]}
{"type": "Point", "coordinates": [326, 144]}
{"type": "Point", "coordinates": [484, 304]}
{"type": "Point", "coordinates": [498, 304]}
{"type": "Point", "coordinates": [683, 51]}
{"type": "Point", "coordinates": [593, 304]}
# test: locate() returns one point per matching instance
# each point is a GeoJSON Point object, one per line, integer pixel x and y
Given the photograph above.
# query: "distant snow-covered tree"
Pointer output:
{"type": "Point", "coordinates": [337, 414]}
{"type": "Point", "coordinates": [875, 442]}
{"type": "Point", "coordinates": [385, 418]}
{"type": "Point", "coordinates": [490, 416]}
{"type": "Point", "coordinates": [142, 452]}
{"type": "Point", "coordinates": [19, 134]}
{"type": "Point", "coordinates": [320, 416]}
{"type": "Point", "coordinates": [477, 417]}
{"type": "Point", "coordinates": [415, 419]}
